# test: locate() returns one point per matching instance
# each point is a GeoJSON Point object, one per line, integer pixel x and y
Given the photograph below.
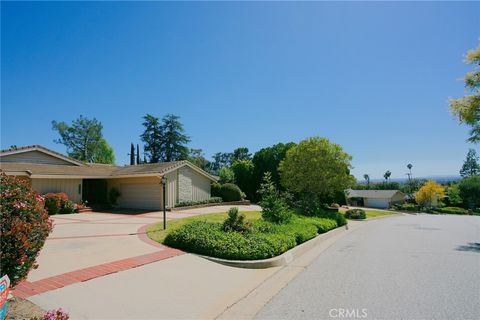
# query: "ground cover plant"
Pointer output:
{"type": "Point", "coordinates": [355, 214]}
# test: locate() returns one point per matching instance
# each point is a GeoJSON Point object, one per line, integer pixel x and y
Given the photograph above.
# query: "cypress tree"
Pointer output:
{"type": "Point", "coordinates": [138, 155]}
{"type": "Point", "coordinates": [132, 154]}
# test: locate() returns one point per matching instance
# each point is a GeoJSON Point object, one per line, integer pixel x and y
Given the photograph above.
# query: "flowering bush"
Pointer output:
{"type": "Point", "coordinates": [58, 314]}
{"type": "Point", "coordinates": [24, 227]}
{"type": "Point", "coordinates": [58, 203]}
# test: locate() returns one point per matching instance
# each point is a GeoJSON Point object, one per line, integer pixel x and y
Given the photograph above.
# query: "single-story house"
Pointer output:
{"type": "Point", "coordinates": [139, 185]}
{"type": "Point", "coordinates": [374, 198]}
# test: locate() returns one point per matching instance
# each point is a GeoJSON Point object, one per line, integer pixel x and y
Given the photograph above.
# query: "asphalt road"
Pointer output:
{"type": "Point", "coordinates": [408, 267]}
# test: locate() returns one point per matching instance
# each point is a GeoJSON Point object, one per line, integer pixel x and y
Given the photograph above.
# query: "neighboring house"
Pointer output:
{"type": "Point", "coordinates": [374, 198]}
{"type": "Point", "coordinates": [139, 185]}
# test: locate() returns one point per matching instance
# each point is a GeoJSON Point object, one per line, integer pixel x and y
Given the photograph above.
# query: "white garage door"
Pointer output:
{"type": "Point", "coordinates": [377, 203]}
{"type": "Point", "coordinates": [140, 196]}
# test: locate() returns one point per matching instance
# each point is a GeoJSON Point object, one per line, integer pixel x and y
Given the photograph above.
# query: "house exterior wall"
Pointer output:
{"type": "Point", "coordinates": [138, 193]}
{"type": "Point", "coordinates": [172, 189]}
{"type": "Point", "coordinates": [192, 186]}
{"type": "Point", "coordinates": [34, 157]}
{"type": "Point", "coordinates": [397, 198]}
{"type": "Point", "coordinates": [376, 203]}
{"type": "Point", "coordinates": [72, 187]}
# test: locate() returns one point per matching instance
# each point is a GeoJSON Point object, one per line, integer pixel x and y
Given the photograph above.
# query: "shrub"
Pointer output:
{"type": "Point", "coordinates": [355, 214]}
{"type": "Point", "coordinates": [113, 195]}
{"type": "Point", "coordinates": [194, 203]}
{"type": "Point", "coordinates": [226, 175]}
{"type": "Point", "coordinates": [332, 214]}
{"type": "Point", "coordinates": [58, 203]}
{"type": "Point", "coordinates": [231, 192]}
{"type": "Point", "coordinates": [58, 314]}
{"type": "Point", "coordinates": [236, 222]}
{"type": "Point", "coordinates": [470, 191]}
{"type": "Point", "coordinates": [216, 189]}
{"type": "Point", "coordinates": [274, 207]}
{"type": "Point", "coordinates": [407, 207]}
{"type": "Point", "coordinates": [24, 227]}
{"type": "Point", "coordinates": [452, 210]}
{"type": "Point", "coordinates": [430, 194]}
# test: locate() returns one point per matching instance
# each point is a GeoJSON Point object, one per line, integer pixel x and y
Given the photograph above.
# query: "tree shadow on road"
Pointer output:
{"type": "Point", "coordinates": [472, 246]}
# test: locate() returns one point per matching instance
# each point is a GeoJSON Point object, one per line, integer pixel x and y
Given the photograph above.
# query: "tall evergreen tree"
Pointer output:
{"type": "Point", "coordinates": [470, 167]}
{"type": "Point", "coordinates": [152, 137]}
{"type": "Point", "coordinates": [174, 139]}
{"type": "Point", "coordinates": [132, 154]}
{"type": "Point", "coordinates": [241, 154]}
{"type": "Point", "coordinates": [138, 155]}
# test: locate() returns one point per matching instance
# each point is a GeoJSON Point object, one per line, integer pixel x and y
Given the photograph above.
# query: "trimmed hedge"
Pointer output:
{"type": "Point", "coordinates": [355, 214]}
{"type": "Point", "coordinates": [227, 191]}
{"type": "Point", "coordinates": [194, 203]}
{"type": "Point", "coordinates": [265, 240]}
{"type": "Point", "coordinates": [452, 210]}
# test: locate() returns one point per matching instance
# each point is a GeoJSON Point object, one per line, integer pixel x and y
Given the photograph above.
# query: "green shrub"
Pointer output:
{"type": "Point", "coordinates": [332, 214]}
{"type": "Point", "coordinates": [215, 189]}
{"type": "Point", "coordinates": [274, 207]}
{"type": "Point", "coordinates": [24, 225]}
{"type": "Point", "coordinates": [452, 210]}
{"type": "Point", "coordinates": [58, 203]}
{"type": "Point", "coordinates": [236, 222]}
{"type": "Point", "coordinates": [355, 214]}
{"type": "Point", "coordinates": [194, 203]}
{"type": "Point", "coordinates": [411, 207]}
{"type": "Point", "coordinates": [470, 191]}
{"type": "Point", "coordinates": [231, 192]}
{"type": "Point", "coordinates": [67, 207]}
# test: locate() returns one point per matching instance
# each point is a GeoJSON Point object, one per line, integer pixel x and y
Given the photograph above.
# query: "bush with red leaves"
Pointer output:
{"type": "Point", "coordinates": [24, 227]}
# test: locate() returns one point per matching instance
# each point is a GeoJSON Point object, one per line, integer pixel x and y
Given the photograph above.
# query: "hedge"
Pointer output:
{"type": "Point", "coordinates": [355, 214]}
{"type": "Point", "coordinates": [452, 210]}
{"type": "Point", "coordinates": [194, 203]}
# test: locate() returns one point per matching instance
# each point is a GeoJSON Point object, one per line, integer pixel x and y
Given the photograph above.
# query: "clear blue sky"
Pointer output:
{"type": "Point", "coordinates": [373, 77]}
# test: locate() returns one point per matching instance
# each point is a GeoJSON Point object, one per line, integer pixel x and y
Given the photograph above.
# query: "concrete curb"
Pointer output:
{"type": "Point", "coordinates": [281, 260]}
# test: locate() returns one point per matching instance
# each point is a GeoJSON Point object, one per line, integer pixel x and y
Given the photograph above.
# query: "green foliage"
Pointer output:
{"type": "Point", "coordinates": [467, 108]}
{"type": "Point", "coordinates": [215, 189]}
{"type": "Point", "coordinates": [265, 239]}
{"type": "Point", "coordinates": [231, 192]}
{"type": "Point", "coordinates": [470, 167]}
{"type": "Point", "coordinates": [194, 203]}
{"type": "Point", "coordinates": [355, 214]}
{"type": "Point", "coordinates": [452, 210]}
{"type": "Point", "coordinates": [316, 167]}
{"type": "Point", "coordinates": [24, 227]}
{"type": "Point", "coordinates": [407, 207]}
{"type": "Point", "coordinates": [387, 175]}
{"type": "Point", "coordinates": [113, 195]}
{"type": "Point", "coordinates": [470, 191]}
{"type": "Point", "coordinates": [379, 186]}
{"type": "Point", "coordinates": [197, 158]}
{"type": "Point", "coordinates": [166, 140]}
{"type": "Point", "coordinates": [226, 175]}
{"type": "Point", "coordinates": [241, 154]}
{"type": "Point", "coordinates": [236, 222]}
{"type": "Point", "coordinates": [84, 140]}
{"type": "Point", "coordinates": [56, 203]}
{"type": "Point", "coordinates": [268, 160]}
{"type": "Point", "coordinates": [220, 160]}
{"type": "Point", "coordinates": [454, 198]}
{"type": "Point", "coordinates": [274, 207]}
{"type": "Point", "coordinates": [243, 175]}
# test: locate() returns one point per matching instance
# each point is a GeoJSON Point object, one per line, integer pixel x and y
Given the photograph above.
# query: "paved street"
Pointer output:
{"type": "Point", "coordinates": [410, 267]}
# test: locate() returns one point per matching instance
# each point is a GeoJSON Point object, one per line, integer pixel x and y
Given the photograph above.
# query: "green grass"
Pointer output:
{"type": "Point", "coordinates": [156, 232]}
{"type": "Point", "coordinates": [378, 213]}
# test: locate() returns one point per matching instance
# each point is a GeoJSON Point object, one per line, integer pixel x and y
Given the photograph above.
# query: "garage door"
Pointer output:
{"type": "Point", "coordinates": [140, 196]}
{"type": "Point", "coordinates": [377, 203]}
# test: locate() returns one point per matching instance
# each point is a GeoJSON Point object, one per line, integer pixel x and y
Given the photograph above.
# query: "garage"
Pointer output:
{"type": "Point", "coordinates": [376, 203]}
{"type": "Point", "coordinates": [381, 199]}
{"type": "Point", "coordinates": [140, 195]}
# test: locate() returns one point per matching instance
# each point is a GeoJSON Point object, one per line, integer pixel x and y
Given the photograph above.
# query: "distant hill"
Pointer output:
{"type": "Point", "coordinates": [439, 179]}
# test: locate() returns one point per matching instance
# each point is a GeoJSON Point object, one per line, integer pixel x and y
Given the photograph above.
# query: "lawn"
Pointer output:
{"type": "Point", "coordinates": [156, 232]}
{"type": "Point", "coordinates": [378, 213]}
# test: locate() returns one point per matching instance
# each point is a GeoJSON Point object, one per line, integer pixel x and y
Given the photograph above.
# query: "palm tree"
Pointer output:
{"type": "Point", "coordinates": [367, 178]}
{"type": "Point", "coordinates": [410, 166]}
{"type": "Point", "coordinates": [387, 175]}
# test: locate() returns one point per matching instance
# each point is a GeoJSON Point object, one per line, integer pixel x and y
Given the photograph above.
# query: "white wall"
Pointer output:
{"type": "Point", "coordinates": [69, 186]}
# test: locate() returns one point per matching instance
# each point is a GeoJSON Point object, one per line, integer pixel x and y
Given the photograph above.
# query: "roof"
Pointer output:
{"type": "Point", "coordinates": [376, 194]}
{"type": "Point", "coordinates": [88, 170]}
{"type": "Point", "coordinates": [36, 147]}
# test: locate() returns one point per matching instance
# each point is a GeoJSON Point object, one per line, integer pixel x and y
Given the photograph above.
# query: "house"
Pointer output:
{"type": "Point", "coordinates": [139, 185]}
{"type": "Point", "coordinates": [374, 198]}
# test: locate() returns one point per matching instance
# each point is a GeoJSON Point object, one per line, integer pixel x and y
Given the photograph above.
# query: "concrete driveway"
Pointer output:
{"type": "Point", "coordinates": [88, 239]}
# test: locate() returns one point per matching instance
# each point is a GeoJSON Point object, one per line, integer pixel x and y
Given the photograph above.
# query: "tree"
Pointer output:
{"type": "Point", "coordinates": [138, 155]}
{"type": "Point", "coordinates": [196, 157]}
{"type": "Point", "coordinates": [387, 175]}
{"type": "Point", "coordinates": [470, 191]}
{"type": "Point", "coordinates": [83, 139]}
{"type": "Point", "coordinates": [267, 160]}
{"type": "Point", "coordinates": [174, 139]}
{"type": "Point", "coordinates": [226, 175]}
{"type": "Point", "coordinates": [241, 154]}
{"type": "Point", "coordinates": [430, 194]}
{"type": "Point", "coordinates": [243, 173]}
{"type": "Point", "coordinates": [470, 166]}
{"type": "Point", "coordinates": [152, 137]}
{"type": "Point", "coordinates": [316, 168]}
{"type": "Point", "coordinates": [410, 166]}
{"type": "Point", "coordinates": [104, 153]}
{"type": "Point", "coordinates": [220, 160]}
{"type": "Point", "coordinates": [367, 179]}
{"type": "Point", "coordinates": [454, 198]}
{"type": "Point", "coordinates": [274, 206]}
{"type": "Point", "coordinates": [132, 154]}
{"type": "Point", "coordinates": [467, 108]}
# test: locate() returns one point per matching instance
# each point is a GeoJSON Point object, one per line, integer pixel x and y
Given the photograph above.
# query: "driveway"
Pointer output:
{"type": "Point", "coordinates": [88, 239]}
{"type": "Point", "coordinates": [409, 267]}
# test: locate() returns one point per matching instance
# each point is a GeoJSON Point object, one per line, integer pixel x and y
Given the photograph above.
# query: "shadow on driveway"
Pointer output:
{"type": "Point", "coordinates": [472, 247]}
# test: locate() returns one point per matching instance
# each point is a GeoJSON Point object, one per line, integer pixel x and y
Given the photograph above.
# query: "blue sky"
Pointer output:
{"type": "Point", "coordinates": [372, 77]}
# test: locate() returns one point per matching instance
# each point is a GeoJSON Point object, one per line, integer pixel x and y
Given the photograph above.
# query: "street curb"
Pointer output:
{"type": "Point", "coordinates": [281, 260]}
{"type": "Point", "coordinates": [379, 217]}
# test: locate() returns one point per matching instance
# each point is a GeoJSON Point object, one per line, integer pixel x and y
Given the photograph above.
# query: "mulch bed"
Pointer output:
{"type": "Point", "coordinates": [19, 308]}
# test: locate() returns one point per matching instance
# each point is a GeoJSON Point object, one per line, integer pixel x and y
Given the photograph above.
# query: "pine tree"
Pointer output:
{"type": "Point", "coordinates": [470, 167]}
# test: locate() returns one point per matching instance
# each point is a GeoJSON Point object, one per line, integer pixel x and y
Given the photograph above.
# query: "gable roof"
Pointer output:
{"type": "Point", "coordinates": [39, 148]}
{"type": "Point", "coordinates": [376, 194]}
